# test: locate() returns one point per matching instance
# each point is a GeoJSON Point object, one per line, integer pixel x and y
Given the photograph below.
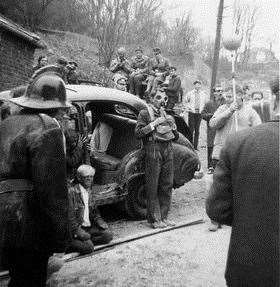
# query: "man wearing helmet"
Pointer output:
{"type": "Point", "coordinates": [157, 130]}
{"type": "Point", "coordinates": [139, 64]}
{"type": "Point", "coordinates": [34, 198]}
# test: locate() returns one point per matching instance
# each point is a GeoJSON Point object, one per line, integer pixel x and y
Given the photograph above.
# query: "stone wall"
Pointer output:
{"type": "Point", "coordinates": [16, 59]}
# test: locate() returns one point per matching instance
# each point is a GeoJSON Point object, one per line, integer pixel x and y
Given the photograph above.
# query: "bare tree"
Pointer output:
{"type": "Point", "coordinates": [181, 38]}
{"type": "Point", "coordinates": [145, 24]}
{"type": "Point", "coordinates": [108, 20]}
{"type": "Point", "coordinates": [244, 19]}
{"type": "Point", "coordinates": [29, 13]}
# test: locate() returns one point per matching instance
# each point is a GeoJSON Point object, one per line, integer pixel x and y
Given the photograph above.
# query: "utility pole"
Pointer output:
{"type": "Point", "coordinates": [217, 47]}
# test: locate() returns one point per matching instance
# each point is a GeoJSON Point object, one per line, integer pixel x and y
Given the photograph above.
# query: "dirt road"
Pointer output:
{"type": "Point", "coordinates": [190, 256]}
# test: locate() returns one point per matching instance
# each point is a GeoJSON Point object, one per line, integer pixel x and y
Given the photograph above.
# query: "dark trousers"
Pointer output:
{"type": "Point", "coordinates": [194, 125]}
{"type": "Point", "coordinates": [209, 156]}
{"type": "Point", "coordinates": [98, 237]}
{"type": "Point", "coordinates": [159, 179]}
{"type": "Point", "coordinates": [135, 84]}
{"type": "Point", "coordinates": [27, 268]}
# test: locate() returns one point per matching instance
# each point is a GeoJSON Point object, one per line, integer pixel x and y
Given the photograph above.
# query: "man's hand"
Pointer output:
{"type": "Point", "coordinates": [82, 235]}
{"type": "Point", "coordinates": [234, 107]}
{"type": "Point", "coordinates": [82, 140]}
{"type": "Point", "coordinates": [158, 121]}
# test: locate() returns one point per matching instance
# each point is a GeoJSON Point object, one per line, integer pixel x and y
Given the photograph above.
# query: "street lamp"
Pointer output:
{"type": "Point", "coordinates": [232, 44]}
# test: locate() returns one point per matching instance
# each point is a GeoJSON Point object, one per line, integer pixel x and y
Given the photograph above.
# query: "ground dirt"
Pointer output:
{"type": "Point", "coordinates": [190, 256]}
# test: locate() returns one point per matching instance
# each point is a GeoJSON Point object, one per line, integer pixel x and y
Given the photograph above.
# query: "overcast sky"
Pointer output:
{"type": "Point", "coordinates": [204, 14]}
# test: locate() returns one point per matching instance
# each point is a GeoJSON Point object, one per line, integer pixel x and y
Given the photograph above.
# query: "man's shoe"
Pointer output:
{"type": "Point", "coordinates": [168, 222]}
{"type": "Point", "coordinates": [213, 227]}
{"type": "Point", "coordinates": [158, 224]}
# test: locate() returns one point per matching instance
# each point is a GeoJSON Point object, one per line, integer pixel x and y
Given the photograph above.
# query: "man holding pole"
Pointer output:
{"type": "Point", "coordinates": [231, 116]}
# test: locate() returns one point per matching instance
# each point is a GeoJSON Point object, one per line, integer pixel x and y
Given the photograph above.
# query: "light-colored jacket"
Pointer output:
{"type": "Point", "coordinates": [223, 121]}
{"type": "Point", "coordinates": [189, 101]}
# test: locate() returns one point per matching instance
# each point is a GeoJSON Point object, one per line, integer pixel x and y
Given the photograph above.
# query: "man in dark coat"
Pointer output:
{"type": "Point", "coordinates": [173, 88]}
{"type": "Point", "coordinates": [33, 190]}
{"type": "Point", "coordinates": [157, 130]}
{"type": "Point", "coordinates": [206, 114]}
{"type": "Point", "coordinates": [245, 196]}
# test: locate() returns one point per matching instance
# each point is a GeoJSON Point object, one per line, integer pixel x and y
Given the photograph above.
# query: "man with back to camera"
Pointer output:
{"type": "Point", "coordinates": [194, 104]}
{"type": "Point", "coordinates": [34, 197]}
{"type": "Point", "coordinates": [245, 196]}
{"type": "Point", "coordinates": [157, 131]}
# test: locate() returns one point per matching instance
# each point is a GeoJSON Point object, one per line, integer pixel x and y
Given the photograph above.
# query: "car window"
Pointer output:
{"type": "Point", "coordinates": [124, 111]}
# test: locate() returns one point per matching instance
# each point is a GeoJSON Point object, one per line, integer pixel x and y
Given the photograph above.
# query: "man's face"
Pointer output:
{"type": "Point", "coordinates": [121, 55]}
{"type": "Point", "coordinates": [228, 96]}
{"type": "Point", "coordinates": [257, 97]}
{"type": "Point", "coordinates": [44, 61]}
{"type": "Point", "coordinates": [86, 179]}
{"type": "Point", "coordinates": [197, 86]}
{"type": "Point", "coordinates": [172, 72]}
{"type": "Point", "coordinates": [138, 53]}
{"type": "Point", "coordinates": [160, 100]}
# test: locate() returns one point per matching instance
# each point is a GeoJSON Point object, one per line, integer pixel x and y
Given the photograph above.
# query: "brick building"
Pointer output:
{"type": "Point", "coordinates": [17, 47]}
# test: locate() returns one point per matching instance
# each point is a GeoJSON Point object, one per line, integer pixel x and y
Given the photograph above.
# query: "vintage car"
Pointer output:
{"type": "Point", "coordinates": [109, 116]}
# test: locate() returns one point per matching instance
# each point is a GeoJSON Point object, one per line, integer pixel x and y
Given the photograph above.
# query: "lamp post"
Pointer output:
{"type": "Point", "coordinates": [232, 45]}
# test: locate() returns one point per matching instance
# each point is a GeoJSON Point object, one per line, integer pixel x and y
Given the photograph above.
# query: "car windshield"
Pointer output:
{"type": "Point", "coordinates": [124, 111]}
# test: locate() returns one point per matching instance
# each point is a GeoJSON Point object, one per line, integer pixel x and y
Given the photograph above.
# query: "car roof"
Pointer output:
{"type": "Point", "coordinates": [78, 93]}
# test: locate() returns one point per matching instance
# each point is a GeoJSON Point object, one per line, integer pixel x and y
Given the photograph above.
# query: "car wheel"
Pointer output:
{"type": "Point", "coordinates": [136, 201]}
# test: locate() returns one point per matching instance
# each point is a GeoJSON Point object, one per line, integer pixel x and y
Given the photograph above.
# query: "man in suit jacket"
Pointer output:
{"type": "Point", "coordinates": [33, 189]}
{"type": "Point", "coordinates": [87, 226]}
{"type": "Point", "coordinates": [245, 196]}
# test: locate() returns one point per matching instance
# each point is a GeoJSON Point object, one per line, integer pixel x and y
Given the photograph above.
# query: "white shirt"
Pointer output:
{"type": "Point", "coordinates": [84, 194]}
{"type": "Point", "coordinates": [189, 101]}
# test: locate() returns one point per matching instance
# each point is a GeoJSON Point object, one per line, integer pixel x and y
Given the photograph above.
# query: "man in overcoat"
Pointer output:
{"type": "Point", "coordinates": [245, 196]}
{"type": "Point", "coordinates": [33, 191]}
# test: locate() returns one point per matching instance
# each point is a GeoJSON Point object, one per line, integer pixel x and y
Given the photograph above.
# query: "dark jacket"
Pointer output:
{"type": "Point", "coordinates": [32, 148]}
{"type": "Point", "coordinates": [77, 208]}
{"type": "Point", "coordinates": [140, 63]}
{"type": "Point", "coordinates": [207, 113]}
{"type": "Point", "coordinates": [174, 85]}
{"type": "Point", "coordinates": [245, 195]}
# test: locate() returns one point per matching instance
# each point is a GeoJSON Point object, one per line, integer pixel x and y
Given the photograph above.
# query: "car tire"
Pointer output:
{"type": "Point", "coordinates": [136, 202]}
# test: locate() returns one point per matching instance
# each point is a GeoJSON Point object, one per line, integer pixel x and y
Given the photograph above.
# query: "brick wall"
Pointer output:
{"type": "Point", "coordinates": [16, 59]}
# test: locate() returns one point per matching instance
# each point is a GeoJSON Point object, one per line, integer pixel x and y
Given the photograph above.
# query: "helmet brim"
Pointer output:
{"type": "Point", "coordinates": [32, 103]}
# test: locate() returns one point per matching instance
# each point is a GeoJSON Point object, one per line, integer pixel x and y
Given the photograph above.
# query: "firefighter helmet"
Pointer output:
{"type": "Point", "coordinates": [45, 92]}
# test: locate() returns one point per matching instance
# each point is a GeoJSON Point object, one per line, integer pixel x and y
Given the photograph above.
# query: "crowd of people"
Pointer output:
{"type": "Point", "coordinates": [38, 146]}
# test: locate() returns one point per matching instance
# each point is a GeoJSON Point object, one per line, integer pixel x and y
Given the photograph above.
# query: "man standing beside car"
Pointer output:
{"type": "Point", "coordinates": [33, 189]}
{"type": "Point", "coordinates": [157, 131]}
